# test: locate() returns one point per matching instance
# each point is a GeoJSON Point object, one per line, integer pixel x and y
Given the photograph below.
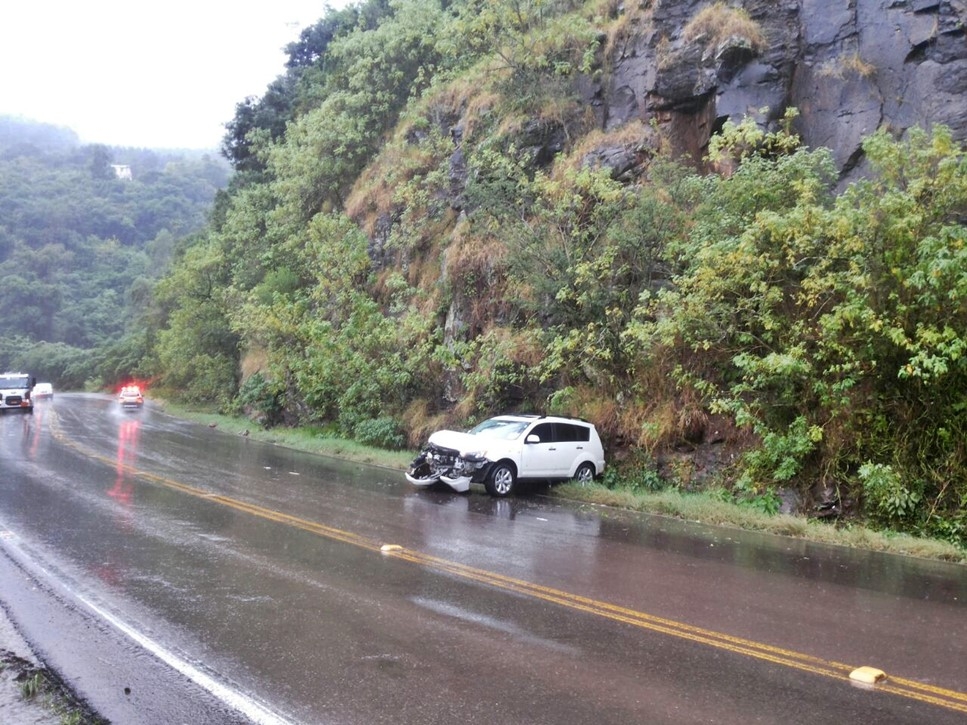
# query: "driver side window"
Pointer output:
{"type": "Point", "coordinates": [544, 431]}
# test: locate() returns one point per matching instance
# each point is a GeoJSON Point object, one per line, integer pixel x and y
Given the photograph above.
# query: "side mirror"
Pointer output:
{"type": "Point", "coordinates": [532, 438]}
{"type": "Point", "coordinates": [33, 382]}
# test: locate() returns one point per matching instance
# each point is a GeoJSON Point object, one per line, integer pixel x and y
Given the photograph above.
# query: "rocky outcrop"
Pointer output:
{"type": "Point", "coordinates": [849, 66]}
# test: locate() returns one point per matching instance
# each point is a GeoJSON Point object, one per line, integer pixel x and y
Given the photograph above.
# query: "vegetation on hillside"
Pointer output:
{"type": "Point", "coordinates": [420, 233]}
{"type": "Point", "coordinates": [80, 248]}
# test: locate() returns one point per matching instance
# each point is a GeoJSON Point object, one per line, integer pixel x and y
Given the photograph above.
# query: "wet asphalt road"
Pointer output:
{"type": "Point", "coordinates": [173, 573]}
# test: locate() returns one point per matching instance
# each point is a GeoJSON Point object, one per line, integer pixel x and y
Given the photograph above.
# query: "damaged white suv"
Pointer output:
{"type": "Point", "coordinates": [502, 450]}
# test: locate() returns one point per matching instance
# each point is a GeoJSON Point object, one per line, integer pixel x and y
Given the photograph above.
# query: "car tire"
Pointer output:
{"type": "Point", "coordinates": [502, 480]}
{"type": "Point", "coordinates": [585, 474]}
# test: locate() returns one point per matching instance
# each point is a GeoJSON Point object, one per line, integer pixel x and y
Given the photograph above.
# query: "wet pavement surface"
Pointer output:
{"type": "Point", "coordinates": [176, 573]}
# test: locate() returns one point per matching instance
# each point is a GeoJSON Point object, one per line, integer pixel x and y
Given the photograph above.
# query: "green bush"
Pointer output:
{"type": "Point", "coordinates": [888, 500]}
{"type": "Point", "coordinates": [639, 474]}
{"type": "Point", "coordinates": [382, 432]}
{"type": "Point", "coordinates": [259, 399]}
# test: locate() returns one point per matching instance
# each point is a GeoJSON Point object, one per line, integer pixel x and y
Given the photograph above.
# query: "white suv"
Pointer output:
{"type": "Point", "coordinates": [502, 450]}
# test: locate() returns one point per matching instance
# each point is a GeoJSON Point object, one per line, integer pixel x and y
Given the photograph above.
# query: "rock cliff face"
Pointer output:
{"type": "Point", "coordinates": [849, 66]}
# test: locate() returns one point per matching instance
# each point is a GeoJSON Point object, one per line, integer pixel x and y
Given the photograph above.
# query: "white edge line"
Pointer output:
{"type": "Point", "coordinates": [240, 702]}
{"type": "Point", "coordinates": [247, 706]}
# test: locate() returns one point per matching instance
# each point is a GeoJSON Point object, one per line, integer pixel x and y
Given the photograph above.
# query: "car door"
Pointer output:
{"type": "Point", "coordinates": [537, 456]}
{"type": "Point", "coordinates": [567, 444]}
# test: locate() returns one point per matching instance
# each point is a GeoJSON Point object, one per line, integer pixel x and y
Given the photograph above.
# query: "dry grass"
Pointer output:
{"type": "Point", "coordinates": [373, 192]}
{"type": "Point", "coordinates": [423, 273]}
{"type": "Point", "coordinates": [664, 53]}
{"type": "Point", "coordinates": [376, 189]}
{"type": "Point", "coordinates": [518, 346]}
{"type": "Point", "coordinates": [718, 23]}
{"type": "Point", "coordinates": [850, 65]}
{"type": "Point", "coordinates": [475, 271]}
{"type": "Point", "coordinates": [477, 94]}
{"type": "Point", "coordinates": [400, 160]}
{"type": "Point", "coordinates": [588, 402]}
{"type": "Point", "coordinates": [472, 255]}
{"type": "Point", "coordinates": [657, 424]}
{"type": "Point", "coordinates": [422, 422]}
{"type": "Point", "coordinates": [254, 360]}
{"type": "Point", "coordinates": [630, 21]}
{"type": "Point", "coordinates": [632, 135]}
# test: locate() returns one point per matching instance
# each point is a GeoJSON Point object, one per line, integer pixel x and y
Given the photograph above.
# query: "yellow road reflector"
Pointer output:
{"type": "Point", "coordinates": [386, 548]}
{"type": "Point", "coordinates": [867, 675]}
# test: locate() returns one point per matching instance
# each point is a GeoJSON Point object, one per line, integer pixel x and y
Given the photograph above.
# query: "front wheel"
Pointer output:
{"type": "Point", "coordinates": [501, 480]}
{"type": "Point", "coordinates": [585, 474]}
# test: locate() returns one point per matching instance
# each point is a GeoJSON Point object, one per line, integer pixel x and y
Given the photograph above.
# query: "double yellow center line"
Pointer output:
{"type": "Point", "coordinates": [938, 696]}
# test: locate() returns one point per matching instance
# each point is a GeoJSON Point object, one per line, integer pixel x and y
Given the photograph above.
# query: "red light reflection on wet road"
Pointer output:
{"type": "Point", "coordinates": [128, 434]}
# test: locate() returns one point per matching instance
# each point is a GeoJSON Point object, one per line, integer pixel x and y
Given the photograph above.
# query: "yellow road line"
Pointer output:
{"type": "Point", "coordinates": [910, 689]}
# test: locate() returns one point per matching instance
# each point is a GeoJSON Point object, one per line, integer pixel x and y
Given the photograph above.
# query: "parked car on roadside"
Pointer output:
{"type": "Point", "coordinates": [131, 397]}
{"type": "Point", "coordinates": [504, 450]}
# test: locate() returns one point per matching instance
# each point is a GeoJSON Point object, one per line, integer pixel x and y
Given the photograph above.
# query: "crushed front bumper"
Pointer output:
{"type": "Point", "coordinates": [440, 465]}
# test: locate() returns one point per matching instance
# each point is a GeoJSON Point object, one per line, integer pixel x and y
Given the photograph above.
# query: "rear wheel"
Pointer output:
{"type": "Point", "coordinates": [501, 480]}
{"type": "Point", "coordinates": [585, 474]}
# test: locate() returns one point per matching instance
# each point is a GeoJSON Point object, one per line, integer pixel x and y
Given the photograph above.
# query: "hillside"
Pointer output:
{"type": "Point", "coordinates": [731, 235]}
{"type": "Point", "coordinates": [85, 230]}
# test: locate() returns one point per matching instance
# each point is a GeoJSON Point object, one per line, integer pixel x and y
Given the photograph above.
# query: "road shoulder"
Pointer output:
{"type": "Point", "coordinates": [21, 671]}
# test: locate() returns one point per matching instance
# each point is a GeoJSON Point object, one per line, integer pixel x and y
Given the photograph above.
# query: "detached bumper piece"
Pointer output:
{"type": "Point", "coordinates": [460, 484]}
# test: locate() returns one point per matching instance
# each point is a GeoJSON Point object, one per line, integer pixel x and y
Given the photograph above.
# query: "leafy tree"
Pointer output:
{"type": "Point", "coordinates": [100, 164]}
{"type": "Point", "coordinates": [372, 76]}
{"type": "Point", "coordinates": [268, 114]}
{"type": "Point", "coordinates": [198, 353]}
{"type": "Point", "coordinates": [354, 363]}
{"type": "Point", "coordinates": [538, 43]}
{"type": "Point", "coordinates": [259, 119]}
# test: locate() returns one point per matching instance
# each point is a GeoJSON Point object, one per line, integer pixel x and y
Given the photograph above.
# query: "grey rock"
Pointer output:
{"type": "Point", "coordinates": [849, 67]}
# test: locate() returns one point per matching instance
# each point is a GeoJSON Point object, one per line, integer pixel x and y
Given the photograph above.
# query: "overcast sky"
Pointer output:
{"type": "Point", "coordinates": [155, 75]}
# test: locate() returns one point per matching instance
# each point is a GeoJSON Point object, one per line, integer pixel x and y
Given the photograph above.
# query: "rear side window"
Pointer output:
{"type": "Point", "coordinates": [568, 432]}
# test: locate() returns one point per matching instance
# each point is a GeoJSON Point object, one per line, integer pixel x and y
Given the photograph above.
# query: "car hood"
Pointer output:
{"type": "Point", "coordinates": [461, 442]}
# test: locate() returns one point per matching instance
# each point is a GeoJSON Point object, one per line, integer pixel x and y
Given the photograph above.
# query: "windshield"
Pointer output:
{"type": "Point", "coordinates": [14, 381]}
{"type": "Point", "coordinates": [506, 430]}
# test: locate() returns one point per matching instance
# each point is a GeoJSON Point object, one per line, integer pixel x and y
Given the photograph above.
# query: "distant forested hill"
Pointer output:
{"type": "Point", "coordinates": [79, 242]}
